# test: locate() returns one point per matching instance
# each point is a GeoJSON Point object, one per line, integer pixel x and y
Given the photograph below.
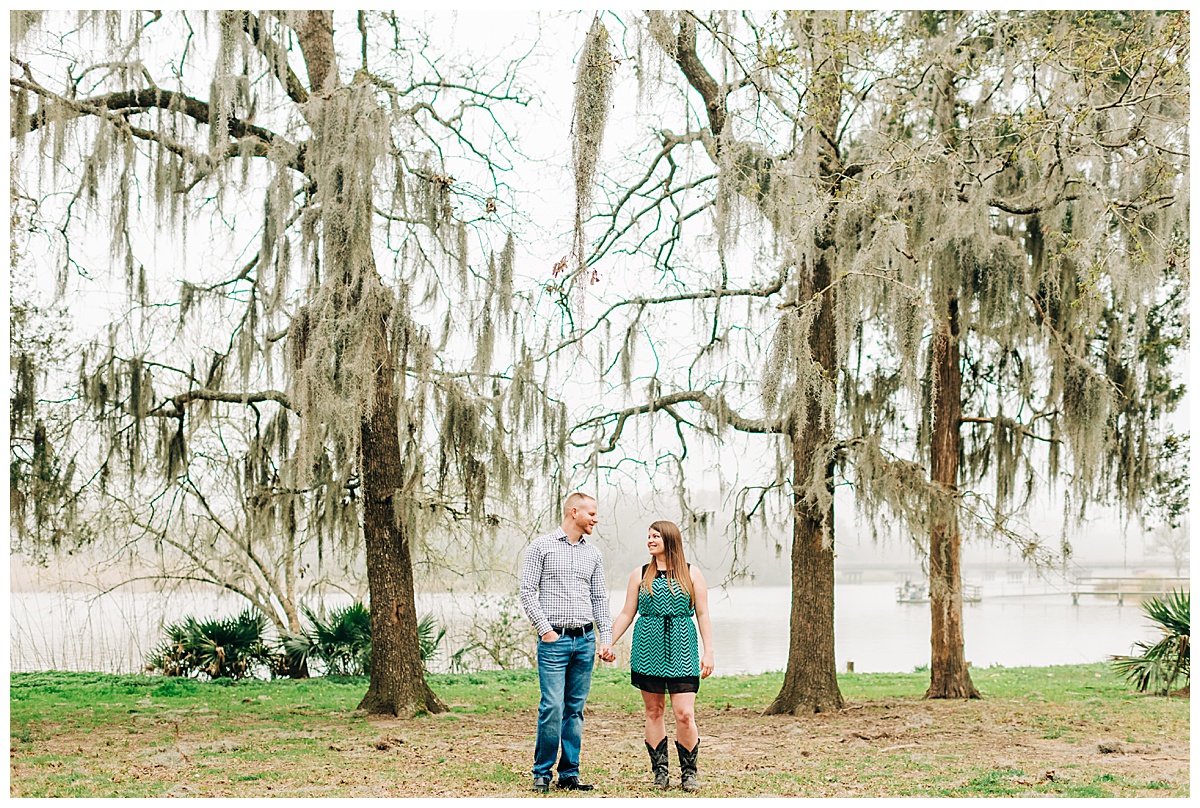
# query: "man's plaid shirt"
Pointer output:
{"type": "Point", "coordinates": [562, 584]}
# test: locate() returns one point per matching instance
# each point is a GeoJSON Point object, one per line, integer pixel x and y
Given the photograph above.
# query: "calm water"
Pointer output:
{"type": "Point", "coordinates": [750, 627]}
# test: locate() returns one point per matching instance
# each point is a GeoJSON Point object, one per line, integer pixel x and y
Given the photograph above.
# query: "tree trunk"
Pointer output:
{"type": "Point", "coordinates": [398, 685]}
{"type": "Point", "coordinates": [291, 668]}
{"type": "Point", "coordinates": [810, 681]}
{"type": "Point", "coordinates": [284, 666]}
{"type": "Point", "coordinates": [949, 677]}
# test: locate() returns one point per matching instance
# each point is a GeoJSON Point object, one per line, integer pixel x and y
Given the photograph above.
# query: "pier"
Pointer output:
{"type": "Point", "coordinates": [1127, 586]}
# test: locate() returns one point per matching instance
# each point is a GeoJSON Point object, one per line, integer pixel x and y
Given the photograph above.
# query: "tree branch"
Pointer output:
{"type": "Point", "coordinates": [715, 406]}
{"type": "Point", "coordinates": [142, 100]}
{"type": "Point", "coordinates": [242, 543]}
{"type": "Point", "coordinates": [1016, 426]}
{"type": "Point", "coordinates": [271, 51]}
{"type": "Point", "coordinates": [684, 52]}
{"type": "Point", "coordinates": [707, 294]}
{"type": "Point", "coordinates": [179, 401]}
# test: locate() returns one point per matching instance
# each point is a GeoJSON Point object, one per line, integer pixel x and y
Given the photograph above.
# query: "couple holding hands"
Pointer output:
{"type": "Point", "coordinates": [564, 594]}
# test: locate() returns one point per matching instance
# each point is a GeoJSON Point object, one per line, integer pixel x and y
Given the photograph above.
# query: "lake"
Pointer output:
{"type": "Point", "coordinates": [114, 633]}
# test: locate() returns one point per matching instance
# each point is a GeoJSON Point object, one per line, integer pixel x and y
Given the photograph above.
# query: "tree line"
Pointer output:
{"type": "Point", "coordinates": [938, 257]}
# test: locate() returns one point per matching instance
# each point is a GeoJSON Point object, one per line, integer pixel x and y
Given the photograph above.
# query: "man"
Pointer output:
{"type": "Point", "coordinates": [564, 595]}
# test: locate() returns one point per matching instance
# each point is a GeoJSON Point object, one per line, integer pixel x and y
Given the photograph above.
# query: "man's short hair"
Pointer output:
{"type": "Point", "coordinates": [574, 500]}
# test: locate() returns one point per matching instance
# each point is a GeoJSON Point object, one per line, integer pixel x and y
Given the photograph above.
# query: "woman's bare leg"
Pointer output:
{"type": "Point", "coordinates": [656, 727]}
{"type": "Point", "coordinates": [684, 707]}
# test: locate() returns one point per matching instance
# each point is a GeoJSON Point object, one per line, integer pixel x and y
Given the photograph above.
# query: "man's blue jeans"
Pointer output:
{"type": "Point", "coordinates": [565, 677]}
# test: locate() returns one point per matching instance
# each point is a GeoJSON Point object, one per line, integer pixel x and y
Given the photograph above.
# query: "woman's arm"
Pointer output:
{"type": "Point", "coordinates": [625, 617]}
{"type": "Point", "coordinates": [700, 588]}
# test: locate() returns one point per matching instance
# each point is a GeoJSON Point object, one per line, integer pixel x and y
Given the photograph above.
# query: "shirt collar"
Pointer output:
{"type": "Point", "coordinates": [561, 534]}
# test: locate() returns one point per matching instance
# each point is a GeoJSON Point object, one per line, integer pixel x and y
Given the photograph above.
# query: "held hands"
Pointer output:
{"type": "Point", "coordinates": [605, 652]}
{"type": "Point", "coordinates": [706, 665]}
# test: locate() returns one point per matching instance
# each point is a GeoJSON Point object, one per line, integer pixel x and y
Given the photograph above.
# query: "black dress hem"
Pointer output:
{"type": "Point", "coordinates": [664, 684]}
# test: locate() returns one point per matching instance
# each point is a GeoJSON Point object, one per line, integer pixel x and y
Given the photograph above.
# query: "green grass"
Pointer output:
{"type": "Point", "coordinates": [84, 698]}
{"type": "Point", "coordinates": [1034, 733]}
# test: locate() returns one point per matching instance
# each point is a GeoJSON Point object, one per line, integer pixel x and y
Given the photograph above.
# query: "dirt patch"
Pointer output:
{"type": "Point", "coordinates": [891, 747]}
{"type": "Point", "coordinates": [742, 752]}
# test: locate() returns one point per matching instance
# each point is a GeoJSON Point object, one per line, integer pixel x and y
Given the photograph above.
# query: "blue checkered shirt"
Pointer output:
{"type": "Point", "coordinates": [562, 584]}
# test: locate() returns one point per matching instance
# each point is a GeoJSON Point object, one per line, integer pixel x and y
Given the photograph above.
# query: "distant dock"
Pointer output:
{"type": "Point", "coordinates": [1122, 587]}
{"type": "Point", "coordinates": [1110, 586]}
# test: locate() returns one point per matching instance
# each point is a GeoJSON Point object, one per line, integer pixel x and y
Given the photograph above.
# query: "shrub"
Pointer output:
{"type": "Point", "coordinates": [1159, 666]}
{"type": "Point", "coordinates": [497, 638]}
{"type": "Point", "coordinates": [341, 641]}
{"type": "Point", "coordinates": [225, 648]}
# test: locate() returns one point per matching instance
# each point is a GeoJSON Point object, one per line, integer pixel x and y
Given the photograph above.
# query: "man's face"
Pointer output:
{"type": "Point", "coordinates": [584, 515]}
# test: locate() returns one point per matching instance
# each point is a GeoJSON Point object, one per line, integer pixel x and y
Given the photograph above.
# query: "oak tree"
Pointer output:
{"type": "Point", "coordinates": [323, 193]}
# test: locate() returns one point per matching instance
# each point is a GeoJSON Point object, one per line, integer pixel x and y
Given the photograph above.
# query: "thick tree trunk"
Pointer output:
{"type": "Point", "coordinates": [810, 681]}
{"type": "Point", "coordinates": [314, 29]}
{"type": "Point", "coordinates": [398, 685]}
{"type": "Point", "coordinates": [949, 677]}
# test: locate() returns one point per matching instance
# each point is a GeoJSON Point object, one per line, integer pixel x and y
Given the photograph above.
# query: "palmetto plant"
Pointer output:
{"type": "Point", "coordinates": [224, 648]}
{"type": "Point", "coordinates": [1159, 666]}
{"type": "Point", "coordinates": [341, 640]}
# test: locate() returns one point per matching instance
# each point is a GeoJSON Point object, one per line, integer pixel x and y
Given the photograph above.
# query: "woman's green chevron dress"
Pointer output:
{"type": "Point", "coordinates": [664, 639]}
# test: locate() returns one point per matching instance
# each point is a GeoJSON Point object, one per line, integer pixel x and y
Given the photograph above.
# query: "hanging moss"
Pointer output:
{"type": "Point", "coordinates": [592, 103]}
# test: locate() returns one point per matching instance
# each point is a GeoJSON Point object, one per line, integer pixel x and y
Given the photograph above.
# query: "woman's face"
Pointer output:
{"type": "Point", "coordinates": [655, 543]}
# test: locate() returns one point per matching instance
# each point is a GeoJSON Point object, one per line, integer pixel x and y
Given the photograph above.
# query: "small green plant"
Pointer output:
{"type": "Point", "coordinates": [228, 648]}
{"type": "Point", "coordinates": [1159, 666]}
{"type": "Point", "coordinates": [429, 637]}
{"type": "Point", "coordinates": [342, 640]}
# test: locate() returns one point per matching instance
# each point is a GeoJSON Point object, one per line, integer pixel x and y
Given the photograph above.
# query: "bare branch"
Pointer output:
{"type": "Point", "coordinates": [706, 294]}
{"type": "Point", "coordinates": [1016, 426]}
{"type": "Point", "coordinates": [714, 405]}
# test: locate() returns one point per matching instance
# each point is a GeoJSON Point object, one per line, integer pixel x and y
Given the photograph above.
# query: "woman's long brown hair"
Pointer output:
{"type": "Point", "coordinates": [673, 545]}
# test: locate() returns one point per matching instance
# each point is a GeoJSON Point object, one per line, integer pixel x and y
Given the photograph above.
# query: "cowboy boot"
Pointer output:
{"type": "Point", "coordinates": [687, 765]}
{"type": "Point", "coordinates": [659, 764]}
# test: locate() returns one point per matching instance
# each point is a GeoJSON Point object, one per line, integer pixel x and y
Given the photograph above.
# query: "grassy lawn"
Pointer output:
{"type": "Point", "coordinates": [1037, 731]}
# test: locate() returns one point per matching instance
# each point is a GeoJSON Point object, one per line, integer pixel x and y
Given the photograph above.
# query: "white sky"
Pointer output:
{"type": "Point", "coordinates": [546, 185]}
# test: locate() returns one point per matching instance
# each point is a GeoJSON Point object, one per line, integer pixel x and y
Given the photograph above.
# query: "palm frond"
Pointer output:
{"type": "Point", "coordinates": [1159, 666]}
{"type": "Point", "coordinates": [429, 637]}
{"type": "Point", "coordinates": [218, 648]}
{"type": "Point", "coordinates": [1172, 612]}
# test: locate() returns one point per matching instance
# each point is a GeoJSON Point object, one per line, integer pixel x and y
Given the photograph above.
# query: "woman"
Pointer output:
{"type": "Point", "coordinates": [666, 593]}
